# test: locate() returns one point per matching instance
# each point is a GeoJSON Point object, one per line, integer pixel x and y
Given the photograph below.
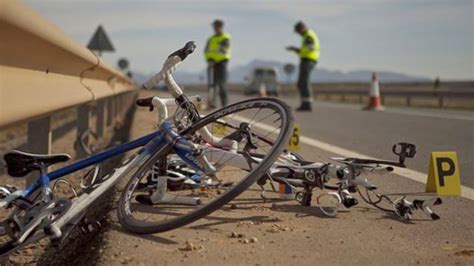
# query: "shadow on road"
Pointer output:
{"type": "Point", "coordinates": [303, 211]}
{"type": "Point", "coordinates": [154, 238]}
{"type": "Point", "coordinates": [213, 221]}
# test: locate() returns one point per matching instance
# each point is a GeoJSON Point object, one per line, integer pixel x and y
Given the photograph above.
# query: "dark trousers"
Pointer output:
{"type": "Point", "coordinates": [220, 81]}
{"type": "Point", "coordinates": [304, 82]}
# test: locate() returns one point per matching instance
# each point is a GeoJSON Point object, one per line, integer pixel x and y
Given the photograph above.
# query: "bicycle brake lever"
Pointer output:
{"type": "Point", "coordinates": [425, 205]}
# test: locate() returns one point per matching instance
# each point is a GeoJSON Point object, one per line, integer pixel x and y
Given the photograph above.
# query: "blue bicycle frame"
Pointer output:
{"type": "Point", "coordinates": [151, 144]}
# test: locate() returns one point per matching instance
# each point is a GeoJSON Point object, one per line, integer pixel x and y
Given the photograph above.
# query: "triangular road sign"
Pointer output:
{"type": "Point", "coordinates": [100, 42]}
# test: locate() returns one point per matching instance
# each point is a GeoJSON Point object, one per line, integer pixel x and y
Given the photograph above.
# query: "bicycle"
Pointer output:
{"type": "Point", "coordinates": [348, 176]}
{"type": "Point", "coordinates": [37, 213]}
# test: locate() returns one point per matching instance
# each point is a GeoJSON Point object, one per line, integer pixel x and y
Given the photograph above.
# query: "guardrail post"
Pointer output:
{"type": "Point", "coordinates": [83, 116]}
{"type": "Point", "coordinates": [39, 139]}
{"type": "Point", "coordinates": [100, 119]}
{"type": "Point", "coordinates": [110, 111]}
{"type": "Point", "coordinates": [120, 104]}
{"type": "Point", "coordinates": [115, 106]}
{"type": "Point", "coordinates": [440, 101]}
{"type": "Point", "coordinates": [408, 101]}
{"type": "Point", "coordinates": [360, 99]}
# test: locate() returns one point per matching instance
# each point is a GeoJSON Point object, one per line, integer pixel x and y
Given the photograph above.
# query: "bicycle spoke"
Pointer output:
{"type": "Point", "coordinates": [232, 167]}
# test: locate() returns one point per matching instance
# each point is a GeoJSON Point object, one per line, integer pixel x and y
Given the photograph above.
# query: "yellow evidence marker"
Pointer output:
{"type": "Point", "coordinates": [294, 142]}
{"type": "Point", "coordinates": [443, 174]}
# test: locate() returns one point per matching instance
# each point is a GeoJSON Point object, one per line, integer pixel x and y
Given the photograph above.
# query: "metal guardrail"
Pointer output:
{"type": "Point", "coordinates": [361, 91]}
{"type": "Point", "coordinates": [43, 71]}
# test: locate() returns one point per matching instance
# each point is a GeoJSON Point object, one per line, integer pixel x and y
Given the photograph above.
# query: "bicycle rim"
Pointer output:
{"type": "Point", "coordinates": [265, 117]}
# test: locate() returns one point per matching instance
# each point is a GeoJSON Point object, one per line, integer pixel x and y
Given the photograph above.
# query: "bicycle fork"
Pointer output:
{"type": "Point", "coordinates": [190, 153]}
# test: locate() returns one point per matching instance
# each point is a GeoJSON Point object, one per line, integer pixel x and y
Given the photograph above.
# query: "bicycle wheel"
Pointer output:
{"type": "Point", "coordinates": [267, 117]}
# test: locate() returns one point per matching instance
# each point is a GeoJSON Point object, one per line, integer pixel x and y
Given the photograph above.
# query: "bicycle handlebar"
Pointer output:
{"type": "Point", "coordinates": [187, 49]}
{"type": "Point", "coordinates": [170, 65]}
{"type": "Point", "coordinates": [162, 104]}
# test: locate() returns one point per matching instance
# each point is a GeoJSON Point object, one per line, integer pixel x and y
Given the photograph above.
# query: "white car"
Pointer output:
{"type": "Point", "coordinates": [266, 77]}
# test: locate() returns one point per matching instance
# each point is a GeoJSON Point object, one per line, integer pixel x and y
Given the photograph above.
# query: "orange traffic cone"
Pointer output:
{"type": "Point", "coordinates": [262, 92]}
{"type": "Point", "coordinates": [375, 103]}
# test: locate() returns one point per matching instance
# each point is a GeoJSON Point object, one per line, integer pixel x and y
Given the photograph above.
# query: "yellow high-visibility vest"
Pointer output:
{"type": "Point", "coordinates": [305, 51]}
{"type": "Point", "coordinates": [213, 49]}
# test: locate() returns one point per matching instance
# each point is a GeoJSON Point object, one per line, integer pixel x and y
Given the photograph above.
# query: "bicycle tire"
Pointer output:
{"type": "Point", "coordinates": [133, 225]}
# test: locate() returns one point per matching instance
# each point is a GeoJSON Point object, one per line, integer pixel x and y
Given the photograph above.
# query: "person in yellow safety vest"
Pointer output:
{"type": "Point", "coordinates": [217, 54]}
{"type": "Point", "coordinates": [309, 55]}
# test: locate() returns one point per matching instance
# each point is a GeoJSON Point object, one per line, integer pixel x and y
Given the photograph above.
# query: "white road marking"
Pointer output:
{"type": "Point", "coordinates": [466, 192]}
{"type": "Point", "coordinates": [467, 117]}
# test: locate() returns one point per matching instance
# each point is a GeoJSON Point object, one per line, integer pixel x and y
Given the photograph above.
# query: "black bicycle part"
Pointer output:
{"type": "Point", "coordinates": [307, 197]}
{"type": "Point", "coordinates": [146, 102]}
{"type": "Point", "coordinates": [407, 150]}
{"type": "Point", "coordinates": [349, 202]}
{"type": "Point", "coordinates": [188, 49]}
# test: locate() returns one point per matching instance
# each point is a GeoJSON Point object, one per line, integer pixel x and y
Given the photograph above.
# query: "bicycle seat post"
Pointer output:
{"type": "Point", "coordinates": [47, 193]}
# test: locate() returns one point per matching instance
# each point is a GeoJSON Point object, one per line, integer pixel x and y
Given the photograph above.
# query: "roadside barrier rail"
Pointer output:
{"type": "Point", "coordinates": [409, 95]}
{"type": "Point", "coordinates": [44, 71]}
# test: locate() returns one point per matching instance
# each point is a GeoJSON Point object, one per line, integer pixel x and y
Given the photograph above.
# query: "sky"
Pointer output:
{"type": "Point", "coordinates": [427, 38]}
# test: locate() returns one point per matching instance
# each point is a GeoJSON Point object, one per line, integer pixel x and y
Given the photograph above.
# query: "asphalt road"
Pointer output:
{"type": "Point", "coordinates": [374, 133]}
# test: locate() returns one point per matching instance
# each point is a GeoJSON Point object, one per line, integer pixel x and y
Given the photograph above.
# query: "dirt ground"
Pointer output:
{"type": "Point", "coordinates": [250, 232]}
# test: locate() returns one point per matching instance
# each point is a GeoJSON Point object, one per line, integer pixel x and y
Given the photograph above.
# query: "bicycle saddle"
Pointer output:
{"type": "Point", "coordinates": [21, 163]}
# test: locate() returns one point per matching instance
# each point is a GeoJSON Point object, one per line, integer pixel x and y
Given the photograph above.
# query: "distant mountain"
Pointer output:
{"type": "Point", "coordinates": [180, 76]}
{"type": "Point", "coordinates": [239, 73]}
